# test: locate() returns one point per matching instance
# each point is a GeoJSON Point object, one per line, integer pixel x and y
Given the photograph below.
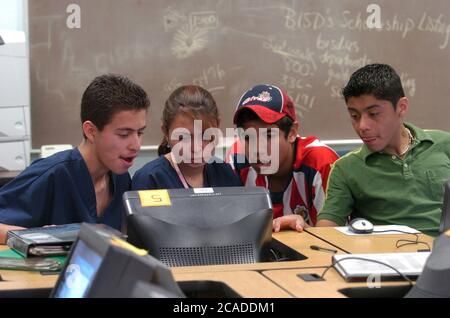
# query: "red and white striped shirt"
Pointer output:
{"type": "Point", "coordinates": [305, 193]}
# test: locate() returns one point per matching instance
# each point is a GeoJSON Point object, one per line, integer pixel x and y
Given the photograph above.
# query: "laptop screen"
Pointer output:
{"type": "Point", "coordinates": [80, 273]}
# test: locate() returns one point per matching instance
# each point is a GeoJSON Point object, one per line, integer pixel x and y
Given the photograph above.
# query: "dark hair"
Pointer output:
{"type": "Point", "coordinates": [284, 124]}
{"type": "Point", "coordinates": [379, 80]}
{"type": "Point", "coordinates": [190, 99]}
{"type": "Point", "coordinates": [108, 94]}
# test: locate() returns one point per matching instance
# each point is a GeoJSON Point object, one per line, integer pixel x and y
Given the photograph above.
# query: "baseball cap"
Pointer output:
{"type": "Point", "coordinates": [268, 102]}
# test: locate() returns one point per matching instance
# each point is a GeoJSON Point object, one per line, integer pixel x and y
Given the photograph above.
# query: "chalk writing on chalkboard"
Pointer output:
{"type": "Point", "coordinates": [308, 47]}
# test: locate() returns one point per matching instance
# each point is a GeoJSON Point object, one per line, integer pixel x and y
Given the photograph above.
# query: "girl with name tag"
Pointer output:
{"type": "Point", "coordinates": [186, 155]}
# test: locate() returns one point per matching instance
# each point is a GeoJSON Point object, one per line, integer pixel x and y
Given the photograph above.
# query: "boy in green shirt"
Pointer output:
{"type": "Point", "coordinates": [397, 176]}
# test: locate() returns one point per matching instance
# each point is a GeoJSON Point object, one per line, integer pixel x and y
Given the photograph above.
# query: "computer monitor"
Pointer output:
{"type": "Point", "coordinates": [101, 264]}
{"type": "Point", "coordinates": [204, 226]}
{"type": "Point", "coordinates": [445, 218]}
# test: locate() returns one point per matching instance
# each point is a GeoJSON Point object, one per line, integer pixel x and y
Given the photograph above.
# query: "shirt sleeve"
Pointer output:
{"type": "Point", "coordinates": [226, 176]}
{"type": "Point", "coordinates": [25, 200]}
{"type": "Point", "coordinates": [320, 160]}
{"type": "Point", "coordinates": [339, 200]}
{"type": "Point", "coordinates": [142, 181]}
{"type": "Point", "coordinates": [320, 186]}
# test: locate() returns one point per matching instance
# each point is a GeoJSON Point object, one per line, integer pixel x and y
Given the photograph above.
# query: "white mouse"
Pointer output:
{"type": "Point", "coordinates": [360, 226]}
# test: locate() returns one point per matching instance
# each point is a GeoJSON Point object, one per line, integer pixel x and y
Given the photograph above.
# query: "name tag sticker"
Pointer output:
{"type": "Point", "coordinates": [203, 190]}
{"type": "Point", "coordinates": [125, 245]}
{"type": "Point", "coordinates": [154, 198]}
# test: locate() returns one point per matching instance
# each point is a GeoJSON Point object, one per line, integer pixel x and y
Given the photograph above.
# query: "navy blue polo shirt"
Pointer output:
{"type": "Point", "coordinates": [59, 190]}
{"type": "Point", "coordinates": [159, 174]}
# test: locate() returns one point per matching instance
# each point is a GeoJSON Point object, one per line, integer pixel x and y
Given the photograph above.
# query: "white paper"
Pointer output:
{"type": "Point", "coordinates": [402, 228]}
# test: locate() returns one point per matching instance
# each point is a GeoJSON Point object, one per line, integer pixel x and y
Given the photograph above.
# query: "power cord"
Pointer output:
{"type": "Point", "coordinates": [277, 258]}
{"type": "Point", "coordinates": [275, 255]}
{"type": "Point", "coordinates": [406, 242]}
{"type": "Point", "coordinates": [409, 242]}
{"type": "Point", "coordinates": [367, 260]}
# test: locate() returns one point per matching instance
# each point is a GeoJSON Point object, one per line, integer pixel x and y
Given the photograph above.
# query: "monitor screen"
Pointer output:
{"type": "Point", "coordinates": [205, 226]}
{"type": "Point", "coordinates": [80, 272]}
{"type": "Point", "coordinates": [101, 264]}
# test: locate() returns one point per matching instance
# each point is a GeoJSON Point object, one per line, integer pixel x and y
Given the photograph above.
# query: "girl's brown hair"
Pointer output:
{"type": "Point", "coordinates": [191, 99]}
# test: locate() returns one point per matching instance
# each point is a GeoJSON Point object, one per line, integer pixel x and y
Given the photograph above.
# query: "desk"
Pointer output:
{"type": "Point", "coordinates": [13, 279]}
{"type": "Point", "coordinates": [241, 277]}
{"type": "Point", "coordinates": [329, 288]}
{"type": "Point", "coordinates": [248, 284]}
{"type": "Point", "coordinates": [288, 279]}
{"type": "Point", "coordinates": [368, 243]}
{"type": "Point", "coordinates": [275, 279]}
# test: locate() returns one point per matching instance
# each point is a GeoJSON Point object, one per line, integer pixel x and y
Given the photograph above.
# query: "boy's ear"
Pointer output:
{"type": "Point", "coordinates": [402, 106]}
{"type": "Point", "coordinates": [89, 130]}
{"type": "Point", "coordinates": [293, 132]}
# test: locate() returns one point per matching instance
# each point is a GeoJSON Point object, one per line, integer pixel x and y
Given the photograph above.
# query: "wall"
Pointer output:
{"type": "Point", "coordinates": [309, 47]}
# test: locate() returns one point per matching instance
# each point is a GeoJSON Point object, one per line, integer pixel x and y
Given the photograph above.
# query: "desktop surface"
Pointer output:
{"type": "Point", "coordinates": [281, 274]}
{"type": "Point", "coordinates": [366, 243]}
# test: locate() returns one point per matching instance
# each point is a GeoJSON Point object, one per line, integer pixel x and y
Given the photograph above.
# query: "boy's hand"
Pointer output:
{"type": "Point", "coordinates": [289, 222]}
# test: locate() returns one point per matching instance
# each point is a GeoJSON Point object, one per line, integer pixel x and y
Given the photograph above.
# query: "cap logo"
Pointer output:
{"type": "Point", "coordinates": [263, 97]}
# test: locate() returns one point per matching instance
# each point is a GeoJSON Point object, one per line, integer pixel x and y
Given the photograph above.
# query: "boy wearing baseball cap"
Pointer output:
{"type": "Point", "coordinates": [294, 169]}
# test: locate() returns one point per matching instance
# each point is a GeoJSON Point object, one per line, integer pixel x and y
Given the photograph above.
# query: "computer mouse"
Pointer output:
{"type": "Point", "coordinates": [360, 226]}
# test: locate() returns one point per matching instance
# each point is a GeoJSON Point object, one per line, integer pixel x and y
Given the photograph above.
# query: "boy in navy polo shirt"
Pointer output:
{"type": "Point", "coordinates": [84, 184]}
{"type": "Point", "coordinates": [298, 182]}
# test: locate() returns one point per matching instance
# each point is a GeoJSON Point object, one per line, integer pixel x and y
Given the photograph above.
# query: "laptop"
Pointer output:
{"type": "Point", "coordinates": [351, 269]}
{"type": "Point", "coordinates": [445, 218]}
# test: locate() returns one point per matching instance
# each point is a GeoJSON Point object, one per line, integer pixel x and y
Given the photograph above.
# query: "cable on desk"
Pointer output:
{"type": "Point", "coordinates": [277, 258]}
{"type": "Point", "coordinates": [406, 242]}
{"type": "Point", "coordinates": [409, 242]}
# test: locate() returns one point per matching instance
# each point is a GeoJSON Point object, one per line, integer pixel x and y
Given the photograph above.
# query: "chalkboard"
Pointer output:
{"type": "Point", "coordinates": [308, 47]}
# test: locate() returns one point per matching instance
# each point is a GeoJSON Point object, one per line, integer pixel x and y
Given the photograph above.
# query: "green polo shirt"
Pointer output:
{"type": "Point", "coordinates": [385, 189]}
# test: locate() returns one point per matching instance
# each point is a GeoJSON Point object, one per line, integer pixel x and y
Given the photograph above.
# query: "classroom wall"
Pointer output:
{"type": "Point", "coordinates": [414, 38]}
{"type": "Point", "coordinates": [309, 47]}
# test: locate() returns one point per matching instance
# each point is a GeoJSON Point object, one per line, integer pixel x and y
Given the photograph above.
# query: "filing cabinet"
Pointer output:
{"type": "Point", "coordinates": [15, 128]}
